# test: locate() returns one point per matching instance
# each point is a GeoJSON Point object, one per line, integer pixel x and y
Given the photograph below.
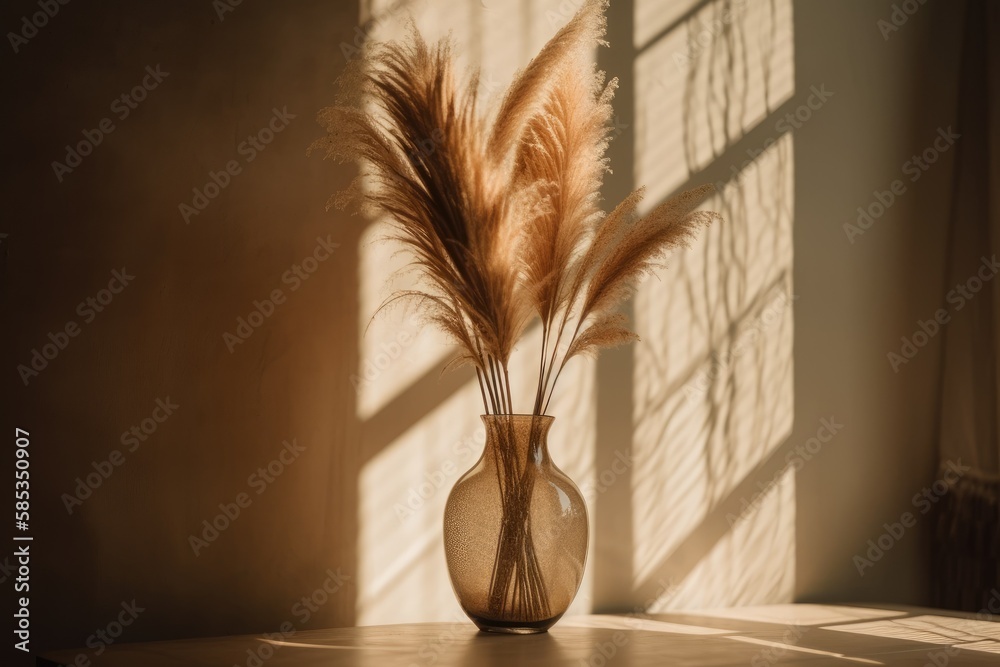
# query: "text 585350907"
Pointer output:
{"type": "Point", "coordinates": [22, 516]}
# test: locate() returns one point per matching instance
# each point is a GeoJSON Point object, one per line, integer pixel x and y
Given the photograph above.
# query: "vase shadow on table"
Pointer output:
{"type": "Point", "coordinates": [496, 650]}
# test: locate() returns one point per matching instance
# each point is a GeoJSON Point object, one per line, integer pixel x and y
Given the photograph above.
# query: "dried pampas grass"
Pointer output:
{"type": "Point", "coordinates": [502, 213]}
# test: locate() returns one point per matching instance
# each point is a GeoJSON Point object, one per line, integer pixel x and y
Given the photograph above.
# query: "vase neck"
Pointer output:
{"type": "Point", "coordinates": [523, 436]}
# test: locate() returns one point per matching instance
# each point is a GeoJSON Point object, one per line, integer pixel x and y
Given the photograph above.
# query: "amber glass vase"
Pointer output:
{"type": "Point", "coordinates": [515, 531]}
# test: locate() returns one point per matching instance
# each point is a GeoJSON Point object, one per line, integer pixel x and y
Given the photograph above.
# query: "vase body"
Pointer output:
{"type": "Point", "coordinates": [515, 531]}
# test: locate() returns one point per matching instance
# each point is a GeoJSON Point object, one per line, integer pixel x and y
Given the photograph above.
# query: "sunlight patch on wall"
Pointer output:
{"type": "Point", "coordinates": [388, 19]}
{"type": "Point", "coordinates": [498, 36]}
{"type": "Point", "coordinates": [403, 489]}
{"type": "Point", "coordinates": [396, 347]}
{"type": "Point", "coordinates": [696, 99]}
{"type": "Point", "coordinates": [655, 17]}
{"type": "Point", "coordinates": [753, 563]}
{"type": "Point", "coordinates": [713, 377]}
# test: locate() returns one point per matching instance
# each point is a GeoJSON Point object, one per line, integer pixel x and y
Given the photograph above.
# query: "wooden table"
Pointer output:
{"type": "Point", "coordinates": [755, 636]}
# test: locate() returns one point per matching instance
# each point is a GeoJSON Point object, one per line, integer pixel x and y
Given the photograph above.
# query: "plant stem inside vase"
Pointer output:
{"type": "Point", "coordinates": [517, 590]}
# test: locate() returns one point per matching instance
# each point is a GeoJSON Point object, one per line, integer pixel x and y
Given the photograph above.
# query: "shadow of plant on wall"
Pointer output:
{"type": "Point", "coordinates": [667, 438]}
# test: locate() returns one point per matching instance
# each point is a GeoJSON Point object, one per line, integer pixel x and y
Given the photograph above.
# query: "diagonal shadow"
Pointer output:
{"type": "Point", "coordinates": [410, 406]}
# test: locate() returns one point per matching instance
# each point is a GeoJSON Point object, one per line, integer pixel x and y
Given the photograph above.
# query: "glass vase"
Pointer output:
{"type": "Point", "coordinates": [515, 531]}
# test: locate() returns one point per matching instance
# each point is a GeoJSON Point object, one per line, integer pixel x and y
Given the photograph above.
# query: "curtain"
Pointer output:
{"type": "Point", "coordinates": [966, 563]}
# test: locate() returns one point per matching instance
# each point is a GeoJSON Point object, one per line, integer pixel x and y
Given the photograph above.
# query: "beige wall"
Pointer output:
{"type": "Point", "coordinates": [857, 300]}
{"type": "Point", "coordinates": [333, 506]}
{"type": "Point", "coordinates": [162, 335]}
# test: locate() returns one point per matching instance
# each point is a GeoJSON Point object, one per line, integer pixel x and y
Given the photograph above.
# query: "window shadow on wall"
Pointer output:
{"type": "Point", "coordinates": [704, 514]}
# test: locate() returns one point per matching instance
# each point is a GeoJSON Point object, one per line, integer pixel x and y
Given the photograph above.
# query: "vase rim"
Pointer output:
{"type": "Point", "coordinates": [518, 415]}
